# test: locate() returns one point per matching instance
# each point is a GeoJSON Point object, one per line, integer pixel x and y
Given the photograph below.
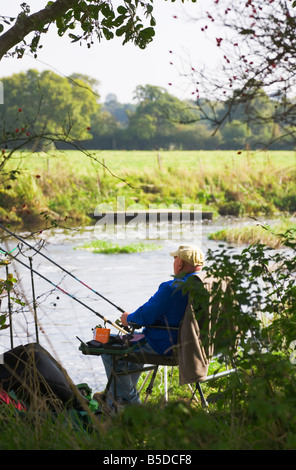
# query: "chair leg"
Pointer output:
{"type": "Point", "coordinates": [193, 393]}
{"type": "Point", "coordinates": [145, 381]}
{"type": "Point", "coordinates": [151, 383]}
{"type": "Point", "coordinates": [202, 397]}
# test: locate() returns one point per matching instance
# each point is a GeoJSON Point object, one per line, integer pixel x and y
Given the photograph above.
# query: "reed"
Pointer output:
{"type": "Point", "coordinates": [250, 234]}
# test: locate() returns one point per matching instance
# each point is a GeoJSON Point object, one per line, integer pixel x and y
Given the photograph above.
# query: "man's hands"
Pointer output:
{"type": "Point", "coordinates": [123, 318]}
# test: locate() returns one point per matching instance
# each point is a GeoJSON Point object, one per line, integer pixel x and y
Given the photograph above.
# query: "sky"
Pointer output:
{"type": "Point", "coordinates": [120, 69]}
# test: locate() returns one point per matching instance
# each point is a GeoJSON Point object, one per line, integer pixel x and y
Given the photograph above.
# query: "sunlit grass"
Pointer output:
{"type": "Point", "coordinates": [258, 233]}
{"type": "Point", "coordinates": [101, 246]}
{"type": "Point", "coordinates": [204, 161]}
{"type": "Point", "coordinates": [72, 184]}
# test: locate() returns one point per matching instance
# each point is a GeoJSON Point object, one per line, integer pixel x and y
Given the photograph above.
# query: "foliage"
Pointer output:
{"type": "Point", "coordinates": [262, 291]}
{"type": "Point", "coordinates": [255, 79]}
{"type": "Point", "coordinates": [258, 313]}
{"type": "Point", "coordinates": [39, 103]}
{"type": "Point", "coordinates": [6, 286]}
{"type": "Point", "coordinates": [153, 117]}
{"type": "Point", "coordinates": [83, 21]}
{"type": "Point", "coordinates": [158, 120]}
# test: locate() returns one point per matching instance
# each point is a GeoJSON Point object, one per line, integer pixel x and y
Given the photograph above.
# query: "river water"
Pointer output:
{"type": "Point", "coordinates": [128, 280]}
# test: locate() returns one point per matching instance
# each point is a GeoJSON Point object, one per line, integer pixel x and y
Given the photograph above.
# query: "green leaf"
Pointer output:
{"type": "Point", "coordinates": [122, 30]}
{"type": "Point", "coordinates": [122, 10]}
{"type": "Point", "coordinates": [73, 37]}
{"type": "Point", "coordinates": [108, 34]}
{"type": "Point", "coordinates": [119, 20]}
{"type": "Point", "coordinates": [147, 32]}
{"type": "Point", "coordinates": [107, 12]}
{"type": "Point", "coordinates": [17, 301]}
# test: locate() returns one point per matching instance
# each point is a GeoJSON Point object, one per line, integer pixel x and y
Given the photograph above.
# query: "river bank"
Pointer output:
{"type": "Point", "coordinates": [264, 421]}
{"type": "Point", "coordinates": [255, 231]}
{"type": "Point", "coordinates": [128, 279]}
{"type": "Point", "coordinates": [68, 187]}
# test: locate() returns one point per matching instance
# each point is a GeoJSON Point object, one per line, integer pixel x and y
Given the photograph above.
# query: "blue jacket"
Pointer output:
{"type": "Point", "coordinates": [166, 307]}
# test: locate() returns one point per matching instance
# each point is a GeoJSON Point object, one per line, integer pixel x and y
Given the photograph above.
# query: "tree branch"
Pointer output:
{"type": "Point", "coordinates": [25, 25]}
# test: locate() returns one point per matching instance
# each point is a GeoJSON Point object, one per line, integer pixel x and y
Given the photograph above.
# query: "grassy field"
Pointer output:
{"type": "Point", "coordinates": [137, 160]}
{"type": "Point", "coordinates": [71, 184]}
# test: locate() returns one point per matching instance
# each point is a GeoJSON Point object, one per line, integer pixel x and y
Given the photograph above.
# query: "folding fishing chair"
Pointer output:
{"type": "Point", "coordinates": [157, 361]}
{"type": "Point", "coordinates": [147, 363]}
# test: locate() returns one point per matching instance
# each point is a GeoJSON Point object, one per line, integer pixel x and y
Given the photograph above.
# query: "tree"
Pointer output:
{"type": "Point", "coordinates": [235, 134]}
{"type": "Point", "coordinates": [118, 110]}
{"type": "Point", "coordinates": [257, 49]}
{"type": "Point", "coordinates": [48, 103]}
{"type": "Point", "coordinates": [104, 128]}
{"type": "Point", "coordinates": [154, 118]}
{"type": "Point", "coordinates": [93, 18]}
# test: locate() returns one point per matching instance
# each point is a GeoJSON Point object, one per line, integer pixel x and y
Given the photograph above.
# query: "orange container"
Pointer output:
{"type": "Point", "coordinates": [102, 335]}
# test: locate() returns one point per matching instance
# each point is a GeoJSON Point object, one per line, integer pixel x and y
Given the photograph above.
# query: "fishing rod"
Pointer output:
{"type": "Point", "coordinates": [65, 292]}
{"type": "Point", "coordinates": [63, 269]}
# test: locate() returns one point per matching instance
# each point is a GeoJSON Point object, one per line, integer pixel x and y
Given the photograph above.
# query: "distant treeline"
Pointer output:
{"type": "Point", "coordinates": [40, 102]}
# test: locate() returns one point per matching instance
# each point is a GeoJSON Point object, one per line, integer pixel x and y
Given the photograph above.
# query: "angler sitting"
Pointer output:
{"type": "Point", "coordinates": [165, 308]}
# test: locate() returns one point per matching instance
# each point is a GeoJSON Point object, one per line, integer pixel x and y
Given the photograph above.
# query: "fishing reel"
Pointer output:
{"type": "Point", "coordinates": [128, 329]}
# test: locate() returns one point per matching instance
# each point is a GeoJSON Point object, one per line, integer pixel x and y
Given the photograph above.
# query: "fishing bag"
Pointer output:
{"type": "Point", "coordinates": [7, 399]}
{"type": "Point", "coordinates": [37, 378]}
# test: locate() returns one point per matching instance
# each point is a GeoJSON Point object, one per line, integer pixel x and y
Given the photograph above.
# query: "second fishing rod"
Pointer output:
{"type": "Point", "coordinates": [61, 267]}
{"type": "Point", "coordinates": [106, 320]}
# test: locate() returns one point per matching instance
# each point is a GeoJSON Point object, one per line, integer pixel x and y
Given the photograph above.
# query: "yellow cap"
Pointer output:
{"type": "Point", "coordinates": [191, 254]}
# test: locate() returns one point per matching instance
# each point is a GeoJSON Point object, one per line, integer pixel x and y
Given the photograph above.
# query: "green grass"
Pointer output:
{"type": "Point", "coordinates": [251, 234]}
{"type": "Point", "coordinates": [101, 246]}
{"type": "Point", "coordinates": [121, 161]}
{"type": "Point", "coordinates": [71, 184]}
{"type": "Point", "coordinates": [179, 425]}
